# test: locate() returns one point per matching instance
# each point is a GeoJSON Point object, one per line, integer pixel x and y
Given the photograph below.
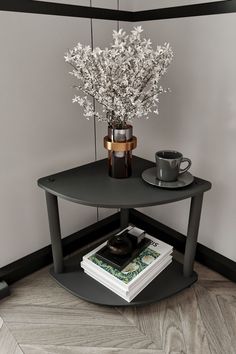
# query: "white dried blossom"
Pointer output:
{"type": "Point", "coordinates": [123, 79]}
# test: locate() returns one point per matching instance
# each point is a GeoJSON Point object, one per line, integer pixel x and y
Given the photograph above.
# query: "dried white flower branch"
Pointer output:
{"type": "Point", "coordinates": [123, 79]}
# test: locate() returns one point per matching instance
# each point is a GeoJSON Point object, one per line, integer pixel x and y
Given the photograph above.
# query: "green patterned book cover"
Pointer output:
{"type": "Point", "coordinates": [133, 269]}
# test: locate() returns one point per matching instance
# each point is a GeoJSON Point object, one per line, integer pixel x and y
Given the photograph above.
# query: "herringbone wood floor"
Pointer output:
{"type": "Point", "coordinates": [41, 317]}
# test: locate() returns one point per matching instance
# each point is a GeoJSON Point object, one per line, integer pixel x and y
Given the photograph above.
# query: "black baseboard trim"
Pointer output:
{"type": "Point", "coordinates": [41, 258]}
{"type": "Point", "coordinates": [204, 255]}
{"type": "Point", "coordinates": [60, 9]}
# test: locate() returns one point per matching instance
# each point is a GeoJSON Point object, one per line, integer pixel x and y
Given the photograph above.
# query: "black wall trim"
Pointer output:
{"type": "Point", "coordinates": [41, 258]}
{"type": "Point", "coordinates": [59, 9]}
{"type": "Point", "coordinates": [51, 8]}
{"type": "Point", "coordinates": [204, 255]}
{"type": "Point", "coordinates": [210, 8]}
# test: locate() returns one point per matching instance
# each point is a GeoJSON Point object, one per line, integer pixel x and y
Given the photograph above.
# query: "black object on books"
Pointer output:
{"type": "Point", "coordinates": [120, 244]}
{"type": "Point", "coordinates": [111, 254]}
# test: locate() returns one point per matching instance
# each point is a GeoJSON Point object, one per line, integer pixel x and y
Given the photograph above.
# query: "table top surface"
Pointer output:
{"type": "Point", "coordinates": [91, 185]}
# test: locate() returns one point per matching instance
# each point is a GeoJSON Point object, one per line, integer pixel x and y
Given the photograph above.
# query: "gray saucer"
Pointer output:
{"type": "Point", "coordinates": [183, 180]}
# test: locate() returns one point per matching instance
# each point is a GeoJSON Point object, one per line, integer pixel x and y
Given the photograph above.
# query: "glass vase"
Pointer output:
{"type": "Point", "coordinates": [120, 143]}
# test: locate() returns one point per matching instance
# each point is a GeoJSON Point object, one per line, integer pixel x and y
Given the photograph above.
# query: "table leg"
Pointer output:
{"type": "Point", "coordinates": [124, 218]}
{"type": "Point", "coordinates": [55, 232]}
{"type": "Point", "coordinates": [192, 234]}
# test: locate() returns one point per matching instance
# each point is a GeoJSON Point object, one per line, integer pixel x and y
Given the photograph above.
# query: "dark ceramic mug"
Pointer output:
{"type": "Point", "coordinates": [168, 165]}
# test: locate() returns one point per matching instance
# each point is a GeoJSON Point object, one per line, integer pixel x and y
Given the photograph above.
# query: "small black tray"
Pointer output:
{"type": "Point", "coordinates": [120, 262]}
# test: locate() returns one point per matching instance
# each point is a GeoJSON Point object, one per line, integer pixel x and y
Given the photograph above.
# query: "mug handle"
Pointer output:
{"type": "Point", "coordinates": [183, 170]}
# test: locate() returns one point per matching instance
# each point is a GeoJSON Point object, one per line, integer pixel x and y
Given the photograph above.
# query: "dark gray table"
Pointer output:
{"type": "Point", "coordinates": [90, 185]}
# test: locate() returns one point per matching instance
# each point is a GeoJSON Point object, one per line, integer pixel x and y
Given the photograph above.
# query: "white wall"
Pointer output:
{"type": "Point", "coordinates": [198, 119]}
{"type": "Point", "coordinates": [42, 132]}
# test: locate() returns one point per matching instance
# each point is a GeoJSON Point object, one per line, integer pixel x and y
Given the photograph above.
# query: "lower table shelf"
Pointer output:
{"type": "Point", "coordinates": [168, 283]}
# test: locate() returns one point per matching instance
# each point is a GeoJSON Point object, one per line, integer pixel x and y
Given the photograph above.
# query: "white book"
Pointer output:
{"type": "Point", "coordinates": [129, 276]}
{"type": "Point", "coordinates": [110, 284]}
{"type": "Point", "coordinates": [113, 283]}
{"type": "Point", "coordinates": [136, 270]}
{"type": "Point", "coordinates": [129, 297]}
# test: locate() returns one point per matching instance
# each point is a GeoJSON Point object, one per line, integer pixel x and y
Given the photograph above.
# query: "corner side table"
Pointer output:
{"type": "Point", "coordinates": [90, 185]}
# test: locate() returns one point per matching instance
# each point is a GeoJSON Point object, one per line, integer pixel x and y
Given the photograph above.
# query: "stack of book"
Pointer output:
{"type": "Point", "coordinates": [130, 281]}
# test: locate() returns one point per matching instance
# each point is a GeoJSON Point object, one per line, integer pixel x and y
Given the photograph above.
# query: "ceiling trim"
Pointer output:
{"type": "Point", "coordinates": [59, 9]}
